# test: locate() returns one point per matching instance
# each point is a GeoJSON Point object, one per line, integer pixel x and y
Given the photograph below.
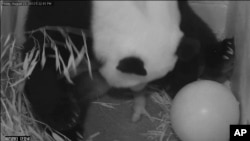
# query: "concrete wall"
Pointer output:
{"type": "Point", "coordinates": [214, 13]}
{"type": "Point", "coordinates": [239, 27]}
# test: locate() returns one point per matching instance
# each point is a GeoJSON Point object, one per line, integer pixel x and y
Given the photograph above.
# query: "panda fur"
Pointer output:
{"type": "Point", "coordinates": [144, 40]}
{"type": "Point", "coordinates": [140, 55]}
{"type": "Point", "coordinates": [57, 102]}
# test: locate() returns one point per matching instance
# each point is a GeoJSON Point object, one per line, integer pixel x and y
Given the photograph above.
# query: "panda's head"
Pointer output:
{"type": "Point", "coordinates": [135, 41]}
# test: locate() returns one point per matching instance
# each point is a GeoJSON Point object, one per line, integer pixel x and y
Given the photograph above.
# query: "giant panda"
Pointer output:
{"type": "Point", "coordinates": [160, 43]}
{"type": "Point", "coordinates": [135, 48]}
{"type": "Point", "coordinates": [135, 44]}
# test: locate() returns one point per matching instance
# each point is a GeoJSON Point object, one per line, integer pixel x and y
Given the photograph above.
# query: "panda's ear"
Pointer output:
{"type": "Point", "coordinates": [188, 49]}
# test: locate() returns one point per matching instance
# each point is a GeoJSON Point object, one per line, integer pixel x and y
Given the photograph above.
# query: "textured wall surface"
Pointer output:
{"type": "Point", "coordinates": [239, 27]}
{"type": "Point", "coordinates": [214, 13]}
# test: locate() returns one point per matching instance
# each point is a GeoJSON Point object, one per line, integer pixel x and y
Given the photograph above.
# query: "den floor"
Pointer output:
{"type": "Point", "coordinates": [114, 123]}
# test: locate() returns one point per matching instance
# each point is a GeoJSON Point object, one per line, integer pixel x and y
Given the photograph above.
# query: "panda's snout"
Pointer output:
{"type": "Point", "coordinates": [132, 65]}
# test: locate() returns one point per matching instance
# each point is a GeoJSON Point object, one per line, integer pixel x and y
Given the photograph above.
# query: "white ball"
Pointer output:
{"type": "Point", "coordinates": [203, 111]}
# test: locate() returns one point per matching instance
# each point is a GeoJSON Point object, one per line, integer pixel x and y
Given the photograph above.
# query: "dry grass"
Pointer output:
{"type": "Point", "coordinates": [163, 131]}
{"type": "Point", "coordinates": [16, 116]}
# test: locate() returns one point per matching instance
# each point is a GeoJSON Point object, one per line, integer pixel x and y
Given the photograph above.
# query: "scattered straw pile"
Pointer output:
{"type": "Point", "coordinates": [164, 131]}
{"type": "Point", "coordinates": [16, 116]}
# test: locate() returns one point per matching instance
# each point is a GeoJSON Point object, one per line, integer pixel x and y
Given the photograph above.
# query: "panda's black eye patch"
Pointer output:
{"type": "Point", "coordinates": [132, 65]}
